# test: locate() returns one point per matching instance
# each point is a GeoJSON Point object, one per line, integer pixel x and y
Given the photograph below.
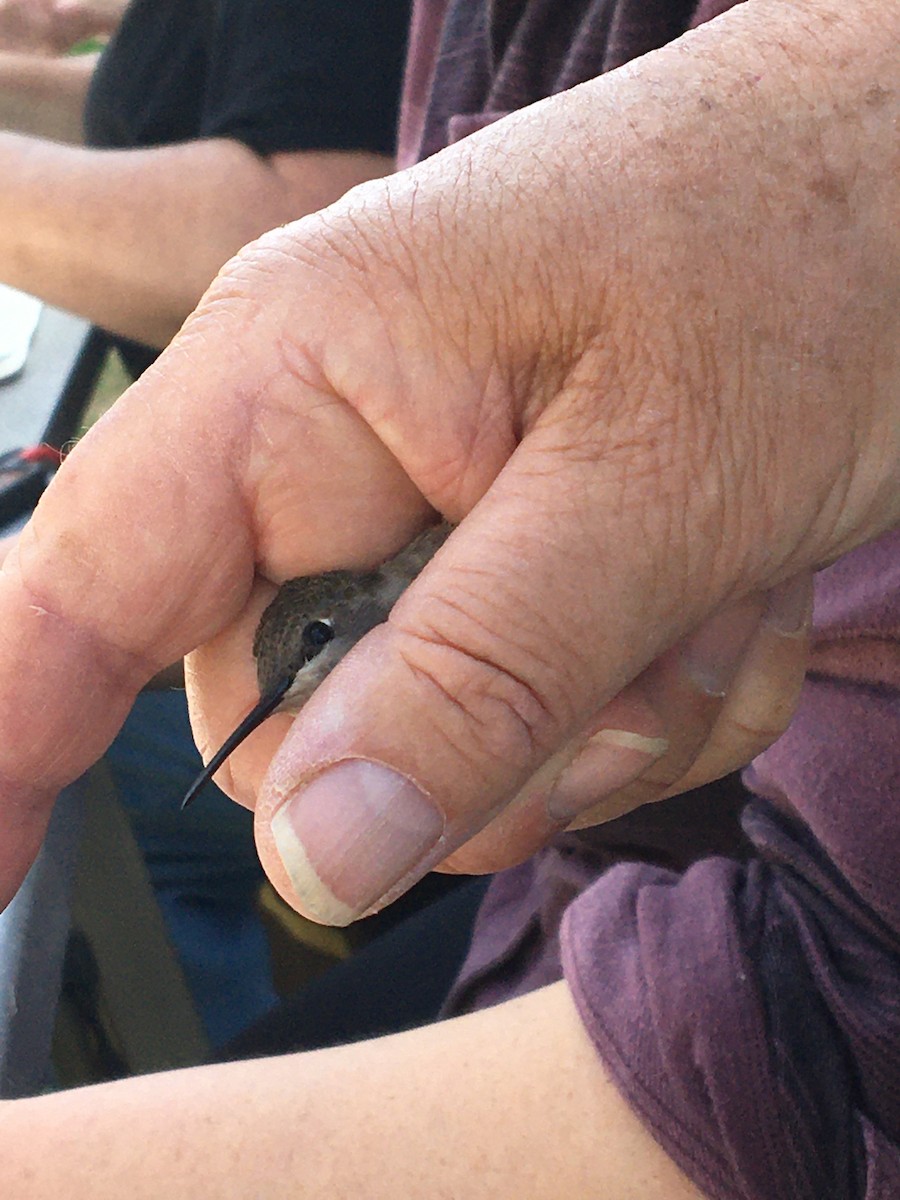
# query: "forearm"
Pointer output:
{"type": "Point", "coordinates": [131, 239]}
{"type": "Point", "coordinates": [510, 1102]}
{"type": "Point", "coordinates": [84, 18]}
{"type": "Point", "coordinates": [54, 26]}
{"type": "Point", "coordinates": [43, 96]}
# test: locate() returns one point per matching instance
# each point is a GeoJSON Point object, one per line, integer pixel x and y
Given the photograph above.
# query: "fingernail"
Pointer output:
{"type": "Point", "coordinates": [789, 606]}
{"type": "Point", "coordinates": [712, 655]}
{"type": "Point", "coordinates": [350, 835]}
{"type": "Point", "coordinates": [611, 760]}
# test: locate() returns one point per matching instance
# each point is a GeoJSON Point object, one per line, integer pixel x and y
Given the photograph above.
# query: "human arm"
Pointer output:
{"type": "Point", "coordinates": [241, 116]}
{"type": "Point", "coordinates": [44, 97]}
{"type": "Point", "coordinates": [130, 239]}
{"type": "Point", "coordinates": [53, 26]}
{"type": "Point", "coordinates": [508, 1102]}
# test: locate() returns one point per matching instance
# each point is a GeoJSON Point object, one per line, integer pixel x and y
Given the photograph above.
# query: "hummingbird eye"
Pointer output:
{"type": "Point", "coordinates": [318, 634]}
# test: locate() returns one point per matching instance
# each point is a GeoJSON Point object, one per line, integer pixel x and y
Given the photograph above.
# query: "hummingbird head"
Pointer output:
{"type": "Point", "coordinates": [303, 634]}
{"type": "Point", "coordinates": [308, 628]}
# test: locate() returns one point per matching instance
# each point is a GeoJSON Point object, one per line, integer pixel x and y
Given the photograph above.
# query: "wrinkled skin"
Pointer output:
{"type": "Point", "coordinates": [654, 402]}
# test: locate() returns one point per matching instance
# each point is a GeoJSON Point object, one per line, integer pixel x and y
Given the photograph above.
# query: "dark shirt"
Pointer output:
{"type": "Point", "coordinates": [275, 75]}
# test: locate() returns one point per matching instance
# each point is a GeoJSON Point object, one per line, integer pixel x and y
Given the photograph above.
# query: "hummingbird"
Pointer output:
{"type": "Point", "coordinates": [310, 625]}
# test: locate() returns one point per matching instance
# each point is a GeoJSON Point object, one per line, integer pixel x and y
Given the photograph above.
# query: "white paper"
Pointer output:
{"type": "Point", "coordinates": [19, 315]}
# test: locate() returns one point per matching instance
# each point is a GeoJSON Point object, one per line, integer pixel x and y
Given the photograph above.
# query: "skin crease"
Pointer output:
{"type": "Point", "coordinates": [643, 430]}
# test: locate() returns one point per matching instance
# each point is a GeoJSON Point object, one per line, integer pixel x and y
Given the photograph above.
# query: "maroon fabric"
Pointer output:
{"type": "Point", "coordinates": [473, 61]}
{"type": "Point", "coordinates": [751, 1013]}
{"type": "Point", "coordinates": [516, 944]}
{"type": "Point", "coordinates": [748, 1006]}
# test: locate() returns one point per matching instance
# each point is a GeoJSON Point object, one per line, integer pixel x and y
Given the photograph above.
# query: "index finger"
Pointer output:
{"type": "Point", "coordinates": [223, 460]}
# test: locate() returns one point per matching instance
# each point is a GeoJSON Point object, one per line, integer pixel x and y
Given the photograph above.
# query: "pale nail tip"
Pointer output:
{"type": "Point", "coordinates": [317, 900]}
{"type": "Point", "coordinates": [656, 747]}
{"type": "Point", "coordinates": [708, 687]}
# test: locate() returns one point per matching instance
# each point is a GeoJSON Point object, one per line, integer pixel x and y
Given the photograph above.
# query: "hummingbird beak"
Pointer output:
{"type": "Point", "coordinates": [264, 708]}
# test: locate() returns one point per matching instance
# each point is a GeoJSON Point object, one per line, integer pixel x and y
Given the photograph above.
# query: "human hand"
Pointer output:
{"type": "Point", "coordinates": [54, 26]}
{"type": "Point", "coordinates": [619, 389]}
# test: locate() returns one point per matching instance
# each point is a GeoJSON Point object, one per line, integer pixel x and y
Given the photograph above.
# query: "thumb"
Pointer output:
{"type": "Point", "coordinates": [550, 597]}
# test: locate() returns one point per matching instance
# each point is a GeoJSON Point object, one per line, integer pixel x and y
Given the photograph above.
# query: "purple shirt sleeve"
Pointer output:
{"type": "Point", "coordinates": [751, 1012]}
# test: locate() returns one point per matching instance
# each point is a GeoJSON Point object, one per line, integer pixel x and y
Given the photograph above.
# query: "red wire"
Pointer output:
{"type": "Point", "coordinates": [41, 454]}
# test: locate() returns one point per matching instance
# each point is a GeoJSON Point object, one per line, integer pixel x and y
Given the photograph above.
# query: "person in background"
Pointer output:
{"type": "Point", "coordinates": [201, 124]}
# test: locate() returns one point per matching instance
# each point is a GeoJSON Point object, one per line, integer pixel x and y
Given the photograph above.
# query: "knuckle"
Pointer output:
{"type": "Point", "coordinates": [498, 712]}
{"type": "Point", "coordinates": [501, 714]}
